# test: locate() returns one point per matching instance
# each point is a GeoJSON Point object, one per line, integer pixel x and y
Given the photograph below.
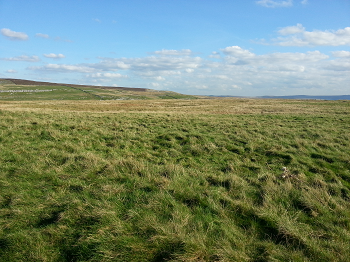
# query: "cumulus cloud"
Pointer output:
{"type": "Point", "coordinates": [23, 58]}
{"type": "Point", "coordinates": [338, 65]}
{"type": "Point", "coordinates": [237, 51]}
{"type": "Point", "coordinates": [166, 64]}
{"type": "Point", "coordinates": [12, 35]}
{"type": "Point", "coordinates": [238, 58]}
{"type": "Point", "coordinates": [107, 75]}
{"type": "Point", "coordinates": [182, 52]}
{"type": "Point", "coordinates": [272, 4]}
{"type": "Point", "coordinates": [54, 56]}
{"type": "Point", "coordinates": [343, 54]}
{"type": "Point", "coordinates": [111, 64]}
{"type": "Point", "coordinates": [62, 68]}
{"type": "Point", "coordinates": [42, 35]}
{"type": "Point", "coordinates": [150, 66]}
{"type": "Point", "coordinates": [236, 71]}
{"type": "Point", "coordinates": [298, 36]}
{"type": "Point", "coordinates": [289, 30]}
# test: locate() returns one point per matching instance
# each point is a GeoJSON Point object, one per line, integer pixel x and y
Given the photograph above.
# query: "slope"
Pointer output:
{"type": "Point", "coordinates": [22, 90]}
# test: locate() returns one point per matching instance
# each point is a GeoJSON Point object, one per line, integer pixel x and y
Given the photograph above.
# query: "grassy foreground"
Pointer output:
{"type": "Point", "coordinates": [167, 180]}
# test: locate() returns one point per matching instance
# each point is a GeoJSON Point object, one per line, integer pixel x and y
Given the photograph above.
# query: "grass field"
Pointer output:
{"type": "Point", "coordinates": [20, 90]}
{"type": "Point", "coordinates": [175, 180]}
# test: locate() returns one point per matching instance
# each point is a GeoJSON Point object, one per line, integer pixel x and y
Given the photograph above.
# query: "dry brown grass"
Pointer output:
{"type": "Point", "coordinates": [199, 106]}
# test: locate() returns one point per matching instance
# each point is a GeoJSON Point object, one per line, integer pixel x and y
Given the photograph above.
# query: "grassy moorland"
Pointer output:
{"type": "Point", "coordinates": [24, 90]}
{"type": "Point", "coordinates": [175, 180]}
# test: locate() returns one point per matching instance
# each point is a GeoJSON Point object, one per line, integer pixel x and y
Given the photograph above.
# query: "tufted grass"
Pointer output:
{"type": "Point", "coordinates": [180, 180]}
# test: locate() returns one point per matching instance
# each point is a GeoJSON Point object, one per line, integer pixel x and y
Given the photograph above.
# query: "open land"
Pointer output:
{"type": "Point", "coordinates": [174, 180]}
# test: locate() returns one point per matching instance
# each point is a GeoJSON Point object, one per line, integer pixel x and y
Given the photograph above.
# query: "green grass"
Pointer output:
{"type": "Point", "coordinates": [12, 92]}
{"type": "Point", "coordinates": [170, 180]}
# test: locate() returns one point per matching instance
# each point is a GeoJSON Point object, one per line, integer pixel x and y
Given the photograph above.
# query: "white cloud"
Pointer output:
{"type": "Point", "coordinates": [237, 71]}
{"type": "Point", "coordinates": [155, 85]}
{"type": "Point", "coordinates": [159, 78]}
{"type": "Point", "coordinates": [237, 51]}
{"type": "Point", "coordinates": [11, 71]}
{"type": "Point", "coordinates": [344, 54]}
{"type": "Point", "coordinates": [54, 56]}
{"type": "Point", "coordinates": [338, 66]}
{"type": "Point", "coordinates": [298, 36]}
{"type": "Point", "coordinates": [107, 75]}
{"type": "Point", "coordinates": [310, 56]}
{"type": "Point", "coordinates": [289, 30]}
{"type": "Point", "coordinates": [42, 35]}
{"type": "Point", "coordinates": [150, 66]}
{"type": "Point", "coordinates": [223, 77]}
{"type": "Point", "coordinates": [23, 58]}
{"type": "Point", "coordinates": [182, 52]}
{"type": "Point", "coordinates": [304, 2]}
{"type": "Point", "coordinates": [111, 64]}
{"type": "Point", "coordinates": [271, 3]}
{"type": "Point", "coordinates": [62, 68]}
{"type": "Point", "coordinates": [113, 75]}
{"type": "Point", "coordinates": [12, 35]}
{"type": "Point", "coordinates": [329, 38]}
{"type": "Point", "coordinates": [97, 20]}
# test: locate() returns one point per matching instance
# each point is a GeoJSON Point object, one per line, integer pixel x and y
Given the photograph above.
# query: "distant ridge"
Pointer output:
{"type": "Point", "coordinates": [26, 90]}
{"type": "Point", "coordinates": [301, 97]}
{"type": "Point", "coordinates": [339, 97]}
{"type": "Point", "coordinates": [40, 83]}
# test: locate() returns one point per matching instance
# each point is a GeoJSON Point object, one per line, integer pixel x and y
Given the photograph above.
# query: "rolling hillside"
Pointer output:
{"type": "Point", "coordinates": [23, 90]}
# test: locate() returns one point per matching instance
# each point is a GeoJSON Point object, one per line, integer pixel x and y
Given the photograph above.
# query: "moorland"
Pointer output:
{"type": "Point", "coordinates": [157, 179]}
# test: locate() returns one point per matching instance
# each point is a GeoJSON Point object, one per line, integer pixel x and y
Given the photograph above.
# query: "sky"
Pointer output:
{"type": "Point", "coordinates": [197, 47]}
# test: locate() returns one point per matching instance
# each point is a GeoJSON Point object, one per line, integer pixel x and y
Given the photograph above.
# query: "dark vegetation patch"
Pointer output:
{"type": "Point", "coordinates": [217, 182]}
{"type": "Point", "coordinates": [322, 157]}
{"type": "Point", "coordinates": [169, 250]}
{"type": "Point", "coordinates": [48, 219]}
{"type": "Point", "coordinates": [6, 201]}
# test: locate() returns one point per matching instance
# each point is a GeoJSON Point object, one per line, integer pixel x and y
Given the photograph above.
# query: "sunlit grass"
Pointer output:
{"type": "Point", "coordinates": [24, 92]}
{"type": "Point", "coordinates": [174, 180]}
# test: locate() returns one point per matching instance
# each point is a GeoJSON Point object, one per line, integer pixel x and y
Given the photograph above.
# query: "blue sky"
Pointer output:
{"type": "Point", "coordinates": [203, 47]}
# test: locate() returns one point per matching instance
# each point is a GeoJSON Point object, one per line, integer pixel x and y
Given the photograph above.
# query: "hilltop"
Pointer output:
{"type": "Point", "coordinates": [22, 90]}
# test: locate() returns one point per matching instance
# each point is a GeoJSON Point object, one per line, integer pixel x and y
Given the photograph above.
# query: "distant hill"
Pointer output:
{"type": "Point", "coordinates": [40, 83]}
{"type": "Point", "coordinates": [340, 97]}
{"type": "Point", "coordinates": [22, 90]}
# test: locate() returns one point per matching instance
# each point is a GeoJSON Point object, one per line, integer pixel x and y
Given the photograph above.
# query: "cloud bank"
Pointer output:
{"type": "Point", "coordinates": [234, 70]}
{"type": "Point", "coordinates": [298, 36]}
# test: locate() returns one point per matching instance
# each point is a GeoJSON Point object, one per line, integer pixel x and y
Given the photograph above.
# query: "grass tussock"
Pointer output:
{"type": "Point", "coordinates": [178, 180]}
